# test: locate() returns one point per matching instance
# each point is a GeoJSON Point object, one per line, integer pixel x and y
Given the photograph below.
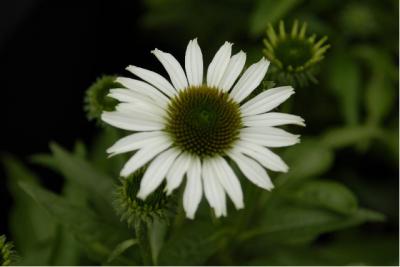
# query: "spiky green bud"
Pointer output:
{"type": "Point", "coordinates": [97, 99]}
{"type": "Point", "coordinates": [293, 54]}
{"type": "Point", "coordinates": [133, 209]}
{"type": "Point", "coordinates": [7, 253]}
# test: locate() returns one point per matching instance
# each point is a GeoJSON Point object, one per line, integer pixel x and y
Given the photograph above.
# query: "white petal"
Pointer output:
{"type": "Point", "coordinates": [142, 110]}
{"type": "Point", "coordinates": [268, 136]}
{"type": "Point", "coordinates": [142, 156]}
{"type": "Point", "coordinates": [263, 155]}
{"type": "Point", "coordinates": [193, 191]}
{"type": "Point", "coordinates": [234, 68]}
{"type": "Point", "coordinates": [250, 80]}
{"type": "Point", "coordinates": [144, 89]}
{"type": "Point", "coordinates": [218, 65]}
{"type": "Point", "coordinates": [270, 140]}
{"type": "Point", "coordinates": [156, 172]}
{"type": "Point", "coordinates": [136, 141]}
{"type": "Point", "coordinates": [272, 119]}
{"type": "Point", "coordinates": [267, 100]}
{"type": "Point", "coordinates": [124, 95]}
{"type": "Point", "coordinates": [174, 69]}
{"type": "Point", "coordinates": [128, 96]}
{"type": "Point", "coordinates": [138, 106]}
{"type": "Point", "coordinates": [213, 190]}
{"type": "Point", "coordinates": [228, 180]}
{"type": "Point", "coordinates": [177, 171]}
{"type": "Point", "coordinates": [252, 170]}
{"type": "Point", "coordinates": [129, 122]}
{"type": "Point", "coordinates": [155, 79]}
{"type": "Point", "coordinates": [194, 63]}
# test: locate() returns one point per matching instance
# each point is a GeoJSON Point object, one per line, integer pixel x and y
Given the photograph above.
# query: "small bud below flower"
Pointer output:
{"type": "Point", "coordinates": [133, 209]}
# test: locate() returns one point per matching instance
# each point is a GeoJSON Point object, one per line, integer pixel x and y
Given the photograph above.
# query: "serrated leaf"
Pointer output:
{"type": "Point", "coordinates": [325, 194]}
{"type": "Point", "coordinates": [48, 160]}
{"type": "Point", "coordinates": [269, 11]}
{"type": "Point", "coordinates": [45, 160]}
{"type": "Point", "coordinates": [97, 236]}
{"type": "Point", "coordinates": [40, 240]}
{"type": "Point", "coordinates": [193, 244]}
{"type": "Point", "coordinates": [306, 160]}
{"type": "Point", "coordinates": [82, 173]}
{"type": "Point", "coordinates": [32, 229]}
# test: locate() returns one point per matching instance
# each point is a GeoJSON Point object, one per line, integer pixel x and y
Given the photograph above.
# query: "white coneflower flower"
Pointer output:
{"type": "Point", "coordinates": [191, 127]}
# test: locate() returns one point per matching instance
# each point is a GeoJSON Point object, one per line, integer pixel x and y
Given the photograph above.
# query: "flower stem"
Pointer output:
{"type": "Point", "coordinates": [142, 236]}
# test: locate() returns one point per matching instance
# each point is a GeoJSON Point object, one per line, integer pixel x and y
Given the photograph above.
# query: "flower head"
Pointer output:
{"type": "Point", "coordinates": [293, 54]}
{"type": "Point", "coordinates": [191, 127]}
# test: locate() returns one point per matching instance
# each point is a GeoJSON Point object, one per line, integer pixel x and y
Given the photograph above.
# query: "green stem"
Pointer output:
{"type": "Point", "coordinates": [180, 215]}
{"type": "Point", "coordinates": [56, 247]}
{"type": "Point", "coordinates": [142, 236]}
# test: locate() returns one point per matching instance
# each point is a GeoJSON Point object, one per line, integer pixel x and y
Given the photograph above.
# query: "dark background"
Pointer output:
{"type": "Point", "coordinates": [50, 52]}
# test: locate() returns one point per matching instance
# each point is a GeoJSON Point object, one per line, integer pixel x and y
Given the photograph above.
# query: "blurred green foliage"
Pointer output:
{"type": "Point", "coordinates": [338, 204]}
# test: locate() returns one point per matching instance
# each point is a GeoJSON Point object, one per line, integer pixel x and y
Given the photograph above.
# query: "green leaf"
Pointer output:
{"type": "Point", "coordinates": [350, 248]}
{"type": "Point", "coordinates": [379, 98]}
{"type": "Point", "coordinates": [380, 61]}
{"type": "Point", "coordinates": [192, 244]}
{"type": "Point", "coordinates": [65, 250]}
{"type": "Point", "coordinates": [48, 161]}
{"type": "Point", "coordinates": [390, 138]}
{"type": "Point", "coordinates": [269, 11]}
{"type": "Point", "coordinates": [289, 223]}
{"type": "Point", "coordinates": [45, 160]}
{"type": "Point", "coordinates": [81, 172]}
{"type": "Point", "coordinates": [380, 89]}
{"type": "Point", "coordinates": [348, 136]}
{"type": "Point", "coordinates": [121, 248]}
{"type": "Point", "coordinates": [98, 155]}
{"type": "Point", "coordinates": [290, 256]}
{"type": "Point", "coordinates": [345, 82]}
{"type": "Point", "coordinates": [356, 248]}
{"type": "Point", "coordinates": [80, 149]}
{"type": "Point", "coordinates": [32, 229]}
{"type": "Point", "coordinates": [326, 194]}
{"type": "Point", "coordinates": [306, 160]}
{"type": "Point", "coordinates": [40, 240]}
{"type": "Point", "coordinates": [98, 237]}
{"type": "Point", "coordinates": [157, 232]}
